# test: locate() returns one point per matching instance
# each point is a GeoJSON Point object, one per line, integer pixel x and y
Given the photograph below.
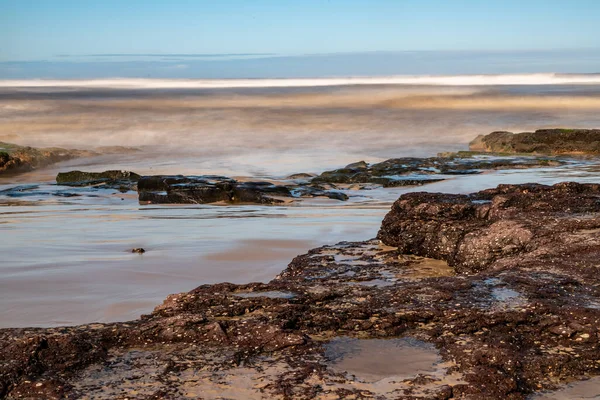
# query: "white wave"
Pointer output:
{"type": "Point", "coordinates": [441, 80]}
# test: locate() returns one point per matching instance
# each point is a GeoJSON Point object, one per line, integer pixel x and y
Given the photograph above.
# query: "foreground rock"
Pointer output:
{"type": "Point", "coordinates": [17, 159]}
{"type": "Point", "coordinates": [542, 141]}
{"type": "Point", "coordinates": [494, 295]}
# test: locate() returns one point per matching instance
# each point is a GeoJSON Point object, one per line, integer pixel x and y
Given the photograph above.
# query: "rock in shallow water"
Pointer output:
{"type": "Point", "coordinates": [115, 179]}
{"type": "Point", "coordinates": [410, 171]}
{"type": "Point", "coordinates": [214, 189]}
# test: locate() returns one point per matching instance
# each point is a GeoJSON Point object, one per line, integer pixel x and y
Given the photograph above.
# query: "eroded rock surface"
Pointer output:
{"type": "Point", "coordinates": [495, 295]}
{"type": "Point", "coordinates": [543, 141]}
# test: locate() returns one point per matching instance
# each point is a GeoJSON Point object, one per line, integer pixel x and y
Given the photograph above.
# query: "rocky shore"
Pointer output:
{"type": "Point", "coordinates": [496, 294]}
{"type": "Point", "coordinates": [396, 172]}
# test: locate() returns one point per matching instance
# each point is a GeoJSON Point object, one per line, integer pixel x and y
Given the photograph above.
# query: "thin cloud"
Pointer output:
{"type": "Point", "coordinates": [179, 55]}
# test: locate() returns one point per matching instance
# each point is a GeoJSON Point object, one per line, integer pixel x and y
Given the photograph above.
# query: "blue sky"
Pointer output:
{"type": "Point", "coordinates": [44, 29]}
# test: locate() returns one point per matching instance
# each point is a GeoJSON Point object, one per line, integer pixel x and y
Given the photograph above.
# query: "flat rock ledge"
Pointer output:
{"type": "Point", "coordinates": [503, 285]}
{"type": "Point", "coordinates": [411, 171]}
{"type": "Point", "coordinates": [542, 141]}
{"type": "Point", "coordinates": [164, 189]}
{"type": "Point", "coordinates": [207, 189]}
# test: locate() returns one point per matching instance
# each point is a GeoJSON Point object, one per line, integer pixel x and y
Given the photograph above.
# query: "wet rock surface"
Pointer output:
{"type": "Point", "coordinates": [495, 295]}
{"type": "Point", "coordinates": [410, 171]}
{"type": "Point", "coordinates": [214, 189]}
{"type": "Point", "coordinates": [115, 179]}
{"type": "Point", "coordinates": [543, 141]}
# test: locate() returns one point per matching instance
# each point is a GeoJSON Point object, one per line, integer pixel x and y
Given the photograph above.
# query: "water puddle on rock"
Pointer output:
{"type": "Point", "coordinates": [373, 283]}
{"type": "Point", "coordinates": [371, 263]}
{"type": "Point", "coordinates": [504, 297]}
{"type": "Point", "coordinates": [421, 267]}
{"type": "Point", "coordinates": [275, 294]}
{"type": "Point", "coordinates": [582, 390]}
{"type": "Point", "coordinates": [371, 360]}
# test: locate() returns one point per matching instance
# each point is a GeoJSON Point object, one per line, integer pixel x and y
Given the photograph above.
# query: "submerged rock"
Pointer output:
{"type": "Point", "coordinates": [497, 291]}
{"type": "Point", "coordinates": [543, 141]}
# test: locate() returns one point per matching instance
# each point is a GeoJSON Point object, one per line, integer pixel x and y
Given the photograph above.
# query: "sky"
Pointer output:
{"type": "Point", "coordinates": [107, 31]}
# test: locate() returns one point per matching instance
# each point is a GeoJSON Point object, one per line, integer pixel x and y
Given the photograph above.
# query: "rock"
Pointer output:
{"type": "Point", "coordinates": [213, 189]}
{"type": "Point", "coordinates": [17, 159]}
{"type": "Point", "coordinates": [411, 171]}
{"type": "Point", "coordinates": [115, 179]}
{"type": "Point", "coordinates": [300, 176]}
{"type": "Point", "coordinates": [138, 250]}
{"type": "Point", "coordinates": [542, 141]}
{"type": "Point", "coordinates": [562, 331]}
{"type": "Point", "coordinates": [471, 232]}
{"type": "Point", "coordinates": [357, 165]}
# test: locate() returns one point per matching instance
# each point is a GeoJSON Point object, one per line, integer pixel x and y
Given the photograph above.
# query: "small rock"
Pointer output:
{"type": "Point", "coordinates": [562, 331]}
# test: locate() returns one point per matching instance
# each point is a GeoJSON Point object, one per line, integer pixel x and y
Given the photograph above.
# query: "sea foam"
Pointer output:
{"type": "Point", "coordinates": [431, 80]}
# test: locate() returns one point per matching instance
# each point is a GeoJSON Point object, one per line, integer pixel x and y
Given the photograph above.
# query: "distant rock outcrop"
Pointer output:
{"type": "Point", "coordinates": [16, 159]}
{"type": "Point", "coordinates": [411, 171]}
{"type": "Point", "coordinates": [542, 141]}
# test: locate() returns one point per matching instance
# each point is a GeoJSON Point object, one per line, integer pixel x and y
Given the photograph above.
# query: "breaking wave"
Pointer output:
{"type": "Point", "coordinates": [432, 80]}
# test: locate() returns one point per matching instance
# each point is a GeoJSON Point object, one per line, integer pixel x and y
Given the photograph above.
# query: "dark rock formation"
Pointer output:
{"type": "Point", "coordinates": [542, 141]}
{"type": "Point", "coordinates": [17, 159]}
{"type": "Point", "coordinates": [202, 189]}
{"type": "Point", "coordinates": [213, 189]}
{"type": "Point", "coordinates": [511, 222]}
{"type": "Point", "coordinates": [508, 292]}
{"type": "Point", "coordinates": [419, 171]}
{"type": "Point", "coordinates": [122, 180]}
